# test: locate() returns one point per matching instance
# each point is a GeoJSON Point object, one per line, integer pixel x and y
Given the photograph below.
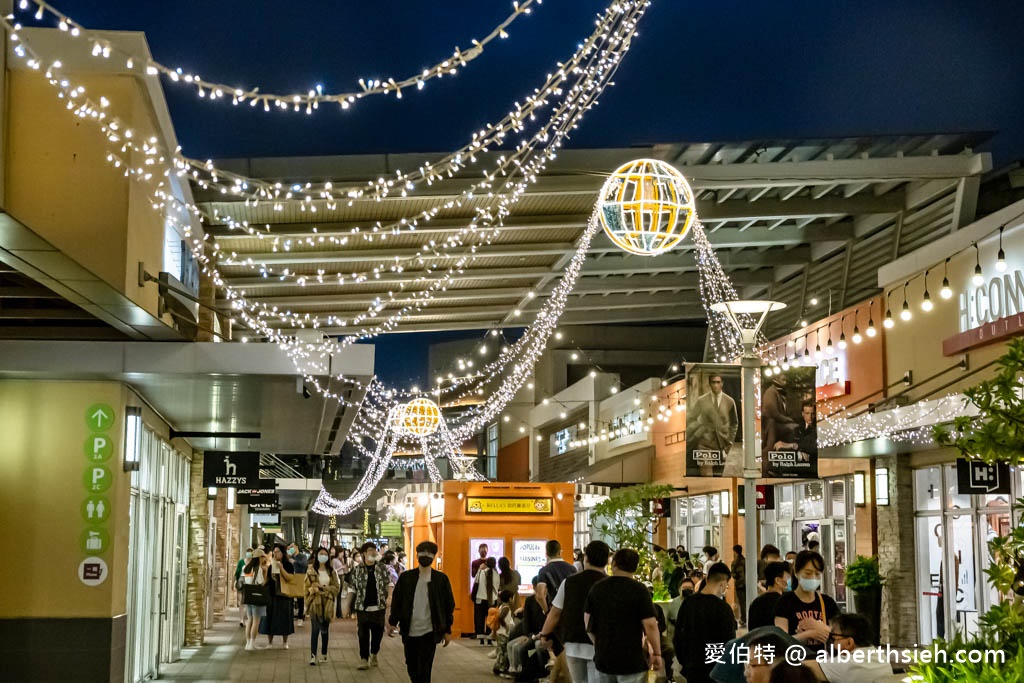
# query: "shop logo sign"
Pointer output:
{"type": "Point", "coordinates": [975, 476]}
{"type": "Point", "coordinates": [1000, 297]}
{"type": "Point", "coordinates": [707, 457]}
{"type": "Point", "coordinates": [225, 469]}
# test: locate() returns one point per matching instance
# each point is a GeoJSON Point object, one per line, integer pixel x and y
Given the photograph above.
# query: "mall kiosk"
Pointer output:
{"type": "Point", "coordinates": [515, 520]}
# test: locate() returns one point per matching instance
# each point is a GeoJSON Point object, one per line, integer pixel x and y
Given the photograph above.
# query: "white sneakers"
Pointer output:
{"type": "Point", "coordinates": [363, 665]}
{"type": "Point", "coordinates": [312, 660]}
{"type": "Point", "coordinates": [249, 645]}
{"type": "Point", "coordinates": [323, 659]}
{"type": "Point", "coordinates": [373, 660]}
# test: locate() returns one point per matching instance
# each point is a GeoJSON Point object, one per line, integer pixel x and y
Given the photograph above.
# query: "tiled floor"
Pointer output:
{"type": "Point", "coordinates": [223, 658]}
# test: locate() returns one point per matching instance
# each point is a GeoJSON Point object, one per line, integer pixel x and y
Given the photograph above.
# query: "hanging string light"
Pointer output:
{"type": "Point", "coordinates": [1001, 256]}
{"type": "Point", "coordinates": [260, 99]}
{"type": "Point", "coordinates": [906, 313]}
{"type": "Point", "coordinates": [926, 301]}
{"type": "Point", "coordinates": [871, 331]}
{"type": "Point", "coordinates": [978, 279]}
{"type": "Point", "coordinates": [888, 323]}
{"type": "Point", "coordinates": [946, 292]}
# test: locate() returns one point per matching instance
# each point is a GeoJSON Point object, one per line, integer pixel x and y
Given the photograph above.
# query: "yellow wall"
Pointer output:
{"type": "Point", "coordinates": [60, 184]}
{"type": "Point", "coordinates": [43, 461]}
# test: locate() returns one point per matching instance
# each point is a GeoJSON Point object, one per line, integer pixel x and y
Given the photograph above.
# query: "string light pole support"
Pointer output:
{"type": "Point", "coordinates": [748, 316]}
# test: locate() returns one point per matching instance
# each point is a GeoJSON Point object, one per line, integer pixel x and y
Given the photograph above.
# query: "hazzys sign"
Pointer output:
{"type": "Point", "coordinates": [231, 469]}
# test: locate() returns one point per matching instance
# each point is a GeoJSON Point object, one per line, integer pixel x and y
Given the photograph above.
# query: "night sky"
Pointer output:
{"type": "Point", "coordinates": [716, 70]}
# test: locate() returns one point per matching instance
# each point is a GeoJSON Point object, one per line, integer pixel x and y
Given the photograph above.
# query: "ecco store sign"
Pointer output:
{"type": "Point", "coordinates": [1000, 297]}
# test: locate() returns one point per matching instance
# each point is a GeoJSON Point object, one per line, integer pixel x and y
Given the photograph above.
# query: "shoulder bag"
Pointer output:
{"type": "Point", "coordinates": [292, 585]}
{"type": "Point", "coordinates": [255, 594]}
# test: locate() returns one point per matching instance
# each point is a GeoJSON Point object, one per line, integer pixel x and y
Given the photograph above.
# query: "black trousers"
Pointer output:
{"type": "Point", "coordinates": [371, 630]}
{"type": "Point", "coordinates": [419, 656]}
{"type": "Point", "coordinates": [300, 605]}
{"type": "Point", "coordinates": [480, 610]}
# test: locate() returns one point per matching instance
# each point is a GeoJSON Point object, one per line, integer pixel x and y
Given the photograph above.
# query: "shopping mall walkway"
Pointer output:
{"type": "Point", "coordinates": [223, 658]}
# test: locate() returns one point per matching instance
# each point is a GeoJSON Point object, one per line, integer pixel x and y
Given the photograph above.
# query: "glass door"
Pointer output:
{"type": "Point", "coordinates": [963, 567]}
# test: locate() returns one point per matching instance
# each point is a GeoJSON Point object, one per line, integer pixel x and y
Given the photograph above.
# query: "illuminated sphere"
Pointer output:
{"type": "Point", "coordinates": [421, 417]}
{"type": "Point", "coordinates": [646, 207]}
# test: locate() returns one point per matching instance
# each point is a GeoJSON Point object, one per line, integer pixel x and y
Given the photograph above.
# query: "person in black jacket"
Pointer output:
{"type": "Point", "coordinates": [704, 619]}
{"type": "Point", "coordinates": [423, 609]}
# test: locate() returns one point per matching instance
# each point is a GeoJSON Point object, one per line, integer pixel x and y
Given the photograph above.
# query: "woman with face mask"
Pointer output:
{"type": "Point", "coordinates": [322, 588]}
{"type": "Point", "coordinates": [278, 620]}
{"type": "Point", "coordinates": [805, 612]}
{"type": "Point", "coordinates": [247, 557]}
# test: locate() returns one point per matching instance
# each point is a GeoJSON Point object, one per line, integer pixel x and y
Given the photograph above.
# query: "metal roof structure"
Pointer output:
{"type": "Point", "coordinates": [790, 220]}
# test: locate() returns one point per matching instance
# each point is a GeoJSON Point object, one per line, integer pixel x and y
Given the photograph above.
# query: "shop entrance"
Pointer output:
{"type": "Point", "coordinates": [952, 532]}
{"type": "Point", "coordinates": [157, 559]}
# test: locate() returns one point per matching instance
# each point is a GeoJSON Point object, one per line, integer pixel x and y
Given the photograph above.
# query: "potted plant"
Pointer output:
{"type": "Point", "coordinates": [863, 579]}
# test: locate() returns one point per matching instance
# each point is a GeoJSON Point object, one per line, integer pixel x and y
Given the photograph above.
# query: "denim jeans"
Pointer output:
{"type": "Point", "coordinates": [581, 670]}
{"type": "Point", "coordinates": [319, 628]}
{"type": "Point", "coordinates": [622, 678]}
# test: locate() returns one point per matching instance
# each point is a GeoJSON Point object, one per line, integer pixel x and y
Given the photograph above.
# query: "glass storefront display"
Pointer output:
{"type": "Point", "coordinates": [952, 532]}
{"type": "Point", "coordinates": [157, 558]}
{"type": "Point", "coordinates": [816, 510]}
{"type": "Point", "coordinates": [697, 522]}
{"type": "Point", "coordinates": [581, 528]}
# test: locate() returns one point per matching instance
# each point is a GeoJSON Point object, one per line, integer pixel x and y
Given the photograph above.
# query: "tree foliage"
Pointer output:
{"type": "Point", "coordinates": [996, 434]}
{"type": "Point", "coordinates": [628, 521]}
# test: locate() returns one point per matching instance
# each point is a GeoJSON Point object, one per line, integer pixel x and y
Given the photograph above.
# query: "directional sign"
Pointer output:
{"type": "Point", "coordinates": [975, 476]}
{"type": "Point", "coordinates": [227, 469]}
{"type": "Point", "coordinates": [98, 448]}
{"type": "Point", "coordinates": [95, 540]}
{"type": "Point", "coordinates": [96, 509]}
{"type": "Point", "coordinates": [97, 479]}
{"type": "Point", "coordinates": [99, 417]}
{"type": "Point", "coordinates": [92, 571]}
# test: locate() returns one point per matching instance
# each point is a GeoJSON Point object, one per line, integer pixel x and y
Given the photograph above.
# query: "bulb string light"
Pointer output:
{"type": "Point", "coordinates": [260, 99]}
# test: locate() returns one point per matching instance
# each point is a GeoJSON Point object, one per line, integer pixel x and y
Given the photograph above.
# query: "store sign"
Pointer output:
{"type": "Point", "coordinates": [630, 424]}
{"type": "Point", "coordinates": [561, 439]}
{"type": "Point", "coordinates": [765, 497]}
{"type": "Point", "coordinates": [391, 528]}
{"type": "Point", "coordinates": [226, 469]}
{"type": "Point", "coordinates": [515, 506]}
{"type": "Point", "coordinates": [265, 490]}
{"type": "Point", "coordinates": [975, 476]}
{"type": "Point", "coordinates": [789, 465]}
{"type": "Point", "coordinates": [989, 312]}
{"type": "Point", "coordinates": [269, 504]}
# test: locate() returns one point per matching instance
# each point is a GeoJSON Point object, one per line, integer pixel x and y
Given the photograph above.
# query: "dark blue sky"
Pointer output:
{"type": "Point", "coordinates": [710, 70]}
{"type": "Point", "coordinates": [700, 70]}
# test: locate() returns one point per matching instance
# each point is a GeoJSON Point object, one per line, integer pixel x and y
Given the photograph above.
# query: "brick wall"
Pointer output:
{"type": "Point", "coordinates": [896, 556]}
{"type": "Point", "coordinates": [220, 562]}
{"type": "Point", "coordinates": [198, 523]}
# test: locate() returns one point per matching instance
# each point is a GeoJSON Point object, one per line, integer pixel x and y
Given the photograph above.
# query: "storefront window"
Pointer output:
{"type": "Point", "coordinates": [811, 502]}
{"type": "Point", "coordinates": [784, 501]}
{"type": "Point", "coordinates": [698, 522]}
{"type": "Point", "coordinates": [952, 535]}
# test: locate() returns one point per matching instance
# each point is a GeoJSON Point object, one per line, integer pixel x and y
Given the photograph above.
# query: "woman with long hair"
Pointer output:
{"type": "Point", "coordinates": [278, 621]}
{"type": "Point", "coordinates": [322, 588]}
{"type": "Point", "coordinates": [256, 572]}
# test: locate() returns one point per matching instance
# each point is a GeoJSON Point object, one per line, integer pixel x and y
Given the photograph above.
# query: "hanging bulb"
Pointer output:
{"type": "Point", "coordinates": [926, 303]}
{"type": "Point", "coordinates": [1001, 261]}
{"type": "Point", "coordinates": [829, 350]}
{"type": "Point", "coordinates": [946, 292]}
{"type": "Point", "coordinates": [817, 351]}
{"type": "Point", "coordinates": [842, 341]}
{"type": "Point", "coordinates": [888, 322]}
{"type": "Point", "coordinates": [871, 331]}
{"type": "Point", "coordinates": [978, 279]}
{"type": "Point", "coordinates": [905, 314]}
{"type": "Point", "coordinates": [785, 364]}
{"type": "Point", "coordinates": [857, 339]}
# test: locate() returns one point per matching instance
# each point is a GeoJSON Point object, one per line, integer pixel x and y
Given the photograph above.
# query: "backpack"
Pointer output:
{"type": "Point", "coordinates": [493, 621]}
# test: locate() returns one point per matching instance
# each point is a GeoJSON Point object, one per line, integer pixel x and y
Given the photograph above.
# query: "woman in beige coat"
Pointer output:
{"type": "Point", "coordinates": [322, 588]}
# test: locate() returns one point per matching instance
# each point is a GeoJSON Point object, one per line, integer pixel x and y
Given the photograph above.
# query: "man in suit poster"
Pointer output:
{"type": "Point", "coordinates": [713, 435]}
{"type": "Point", "coordinates": [789, 427]}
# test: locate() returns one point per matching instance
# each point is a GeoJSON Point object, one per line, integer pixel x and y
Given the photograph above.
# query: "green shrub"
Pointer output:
{"type": "Point", "coordinates": [862, 574]}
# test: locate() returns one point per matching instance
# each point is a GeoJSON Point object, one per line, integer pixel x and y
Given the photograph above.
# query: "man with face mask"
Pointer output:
{"type": "Point", "coordinates": [372, 585]}
{"type": "Point", "coordinates": [422, 609]}
{"type": "Point", "coordinates": [777, 578]}
{"type": "Point", "coordinates": [704, 618]}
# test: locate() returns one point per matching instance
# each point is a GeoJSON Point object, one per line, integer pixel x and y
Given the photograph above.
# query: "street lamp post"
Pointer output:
{"type": "Point", "coordinates": [747, 316]}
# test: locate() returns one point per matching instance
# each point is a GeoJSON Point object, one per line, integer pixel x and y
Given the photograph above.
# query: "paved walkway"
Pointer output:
{"type": "Point", "coordinates": [223, 658]}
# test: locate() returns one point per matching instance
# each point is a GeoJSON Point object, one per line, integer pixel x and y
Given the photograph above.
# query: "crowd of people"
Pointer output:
{"type": "Point", "coordinates": [591, 620]}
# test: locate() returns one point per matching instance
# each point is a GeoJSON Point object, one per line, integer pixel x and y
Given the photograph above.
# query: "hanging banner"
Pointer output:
{"type": "Point", "coordinates": [227, 469]}
{"type": "Point", "coordinates": [976, 476]}
{"type": "Point", "coordinates": [265, 489]}
{"type": "Point", "coordinates": [789, 424]}
{"type": "Point", "coordinates": [714, 430]}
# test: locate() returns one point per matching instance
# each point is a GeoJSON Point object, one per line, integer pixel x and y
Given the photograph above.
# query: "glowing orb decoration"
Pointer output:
{"type": "Point", "coordinates": [646, 207]}
{"type": "Point", "coordinates": [420, 417]}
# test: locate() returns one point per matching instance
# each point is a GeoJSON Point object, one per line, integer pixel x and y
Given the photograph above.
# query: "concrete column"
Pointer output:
{"type": "Point", "coordinates": [896, 556]}
{"type": "Point", "coordinates": [198, 522]}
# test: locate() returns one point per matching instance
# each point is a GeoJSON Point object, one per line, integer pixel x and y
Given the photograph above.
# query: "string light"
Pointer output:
{"type": "Point", "coordinates": [309, 101]}
{"type": "Point", "coordinates": [871, 331]}
{"type": "Point", "coordinates": [946, 292]}
{"type": "Point", "coordinates": [978, 279]}
{"type": "Point", "coordinates": [1001, 256]}
{"type": "Point", "coordinates": [842, 333]}
{"type": "Point", "coordinates": [888, 323]}
{"type": "Point", "coordinates": [926, 302]}
{"type": "Point", "coordinates": [905, 314]}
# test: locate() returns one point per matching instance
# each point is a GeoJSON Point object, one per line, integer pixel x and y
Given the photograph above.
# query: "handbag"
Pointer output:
{"type": "Point", "coordinates": [255, 594]}
{"type": "Point", "coordinates": [292, 585]}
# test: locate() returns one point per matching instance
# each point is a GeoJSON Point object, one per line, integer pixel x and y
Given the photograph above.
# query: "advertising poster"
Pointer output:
{"type": "Point", "coordinates": [789, 424]}
{"type": "Point", "coordinates": [714, 434]}
{"type": "Point", "coordinates": [527, 559]}
{"type": "Point", "coordinates": [480, 549]}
